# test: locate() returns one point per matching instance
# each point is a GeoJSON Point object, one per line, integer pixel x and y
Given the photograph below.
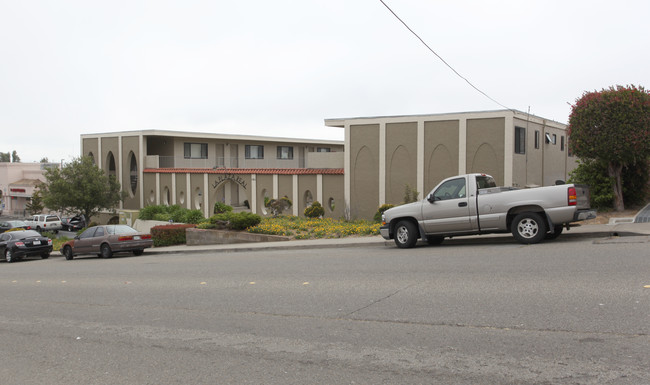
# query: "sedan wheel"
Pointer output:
{"type": "Point", "coordinates": [9, 256]}
{"type": "Point", "coordinates": [106, 251]}
{"type": "Point", "coordinates": [45, 255]}
{"type": "Point", "coordinates": [67, 253]}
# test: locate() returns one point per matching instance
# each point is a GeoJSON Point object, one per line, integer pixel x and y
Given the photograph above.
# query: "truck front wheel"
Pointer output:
{"type": "Point", "coordinates": [528, 228]}
{"type": "Point", "coordinates": [406, 234]}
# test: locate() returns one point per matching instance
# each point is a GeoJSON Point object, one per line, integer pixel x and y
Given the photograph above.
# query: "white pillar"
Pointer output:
{"type": "Point", "coordinates": [206, 210]}
{"type": "Point", "coordinates": [462, 146]}
{"type": "Point", "coordinates": [382, 163]}
{"type": "Point", "coordinates": [189, 192]}
{"type": "Point", "coordinates": [253, 196]}
{"type": "Point", "coordinates": [173, 188]}
{"type": "Point", "coordinates": [319, 189]}
{"type": "Point", "coordinates": [157, 188]}
{"type": "Point", "coordinates": [509, 145]}
{"type": "Point", "coordinates": [295, 195]}
{"type": "Point", "coordinates": [420, 158]}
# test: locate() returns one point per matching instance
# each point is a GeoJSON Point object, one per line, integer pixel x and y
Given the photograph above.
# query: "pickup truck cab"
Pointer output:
{"type": "Point", "coordinates": [472, 204]}
{"type": "Point", "coordinates": [45, 222]}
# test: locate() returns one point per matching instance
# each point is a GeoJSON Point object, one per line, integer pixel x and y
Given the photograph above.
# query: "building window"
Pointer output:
{"type": "Point", "coordinates": [196, 151]}
{"type": "Point", "coordinates": [323, 149]}
{"type": "Point", "coordinates": [285, 152]}
{"type": "Point", "coordinates": [520, 140]}
{"type": "Point", "coordinates": [254, 152]}
{"type": "Point", "coordinates": [536, 138]}
{"type": "Point", "coordinates": [561, 143]}
{"type": "Point", "coordinates": [554, 139]}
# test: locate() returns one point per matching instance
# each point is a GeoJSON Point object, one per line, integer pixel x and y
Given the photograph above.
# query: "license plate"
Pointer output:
{"type": "Point", "coordinates": [37, 242]}
{"type": "Point", "coordinates": [136, 237]}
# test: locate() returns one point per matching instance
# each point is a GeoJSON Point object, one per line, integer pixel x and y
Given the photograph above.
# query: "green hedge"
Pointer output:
{"type": "Point", "coordinates": [169, 235]}
{"type": "Point", "coordinates": [173, 213]}
{"type": "Point", "coordinates": [235, 221]}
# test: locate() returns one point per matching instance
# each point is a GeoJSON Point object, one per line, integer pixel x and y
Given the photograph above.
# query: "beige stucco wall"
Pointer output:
{"type": "Point", "coordinates": [333, 196]}
{"type": "Point", "coordinates": [306, 183]}
{"type": "Point", "coordinates": [440, 152]}
{"type": "Point", "coordinates": [401, 160]}
{"type": "Point", "coordinates": [485, 147]}
{"type": "Point", "coordinates": [90, 147]}
{"type": "Point", "coordinates": [364, 170]}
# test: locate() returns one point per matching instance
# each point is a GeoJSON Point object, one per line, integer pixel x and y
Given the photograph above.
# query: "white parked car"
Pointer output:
{"type": "Point", "coordinates": [45, 222]}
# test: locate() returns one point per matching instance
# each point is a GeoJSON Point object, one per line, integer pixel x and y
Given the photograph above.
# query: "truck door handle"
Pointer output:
{"type": "Point", "coordinates": [462, 204]}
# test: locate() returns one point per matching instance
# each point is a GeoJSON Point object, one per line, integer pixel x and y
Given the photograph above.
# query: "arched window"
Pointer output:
{"type": "Point", "coordinates": [133, 173]}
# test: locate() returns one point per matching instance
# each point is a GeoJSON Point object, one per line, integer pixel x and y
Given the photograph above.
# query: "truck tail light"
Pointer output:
{"type": "Point", "coordinates": [573, 196]}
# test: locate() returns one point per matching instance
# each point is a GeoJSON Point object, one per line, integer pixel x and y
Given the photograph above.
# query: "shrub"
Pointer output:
{"type": "Point", "coordinates": [233, 221]}
{"type": "Point", "coordinates": [149, 212]}
{"type": "Point", "coordinates": [594, 174]}
{"type": "Point", "coordinates": [173, 213]}
{"type": "Point", "coordinates": [220, 208]}
{"type": "Point", "coordinates": [169, 234]}
{"type": "Point", "coordinates": [316, 210]}
{"type": "Point", "coordinates": [380, 211]}
{"type": "Point", "coordinates": [277, 206]}
{"type": "Point", "coordinates": [193, 216]}
{"type": "Point", "coordinates": [411, 194]}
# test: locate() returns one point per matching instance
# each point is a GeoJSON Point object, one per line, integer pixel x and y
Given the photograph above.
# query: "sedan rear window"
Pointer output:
{"type": "Point", "coordinates": [120, 229]}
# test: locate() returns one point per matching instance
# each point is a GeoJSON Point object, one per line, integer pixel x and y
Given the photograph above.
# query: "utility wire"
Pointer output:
{"type": "Point", "coordinates": [441, 59]}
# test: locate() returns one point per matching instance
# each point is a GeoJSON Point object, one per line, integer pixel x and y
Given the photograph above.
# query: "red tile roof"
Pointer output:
{"type": "Point", "coordinates": [263, 171]}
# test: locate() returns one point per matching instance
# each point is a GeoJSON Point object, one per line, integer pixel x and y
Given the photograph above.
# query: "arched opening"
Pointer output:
{"type": "Point", "coordinates": [133, 173]}
{"type": "Point", "coordinates": [110, 163]}
{"type": "Point", "coordinates": [308, 198]}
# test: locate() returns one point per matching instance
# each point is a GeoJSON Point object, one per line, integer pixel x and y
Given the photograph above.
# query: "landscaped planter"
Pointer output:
{"type": "Point", "coordinates": [196, 237]}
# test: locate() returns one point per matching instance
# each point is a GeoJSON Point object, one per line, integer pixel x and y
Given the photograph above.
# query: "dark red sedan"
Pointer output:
{"type": "Point", "coordinates": [105, 240]}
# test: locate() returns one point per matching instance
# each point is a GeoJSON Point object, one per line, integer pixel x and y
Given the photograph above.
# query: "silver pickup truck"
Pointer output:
{"type": "Point", "coordinates": [472, 204]}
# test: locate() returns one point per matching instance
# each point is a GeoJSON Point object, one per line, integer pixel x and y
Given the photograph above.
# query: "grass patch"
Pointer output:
{"type": "Point", "coordinates": [314, 228]}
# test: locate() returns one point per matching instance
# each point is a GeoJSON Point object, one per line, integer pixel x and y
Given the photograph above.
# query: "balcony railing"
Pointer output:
{"type": "Point", "coordinates": [313, 160]}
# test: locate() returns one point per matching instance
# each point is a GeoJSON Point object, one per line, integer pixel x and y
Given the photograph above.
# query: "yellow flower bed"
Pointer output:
{"type": "Point", "coordinates": [308, 228]}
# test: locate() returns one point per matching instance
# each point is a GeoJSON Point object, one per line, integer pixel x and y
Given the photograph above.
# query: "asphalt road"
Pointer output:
{"type": "Point", "coordinates": [572, 311]}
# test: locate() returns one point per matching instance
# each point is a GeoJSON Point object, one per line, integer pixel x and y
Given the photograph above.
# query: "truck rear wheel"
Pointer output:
{"type": "Point", "coordinates": [528, 228]}
{"type": "Point", "coordinates": [406, 234]}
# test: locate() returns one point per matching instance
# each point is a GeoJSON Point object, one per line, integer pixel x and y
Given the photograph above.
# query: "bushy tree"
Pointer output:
{"type": "Point", "coordinates": [612, 126]}
{"type": "Point", "coordinates": [80, 187]}
{"type": "Point", "coordinates": [14, 157]}
{"type": "Point", "coordinates": [5, 157]}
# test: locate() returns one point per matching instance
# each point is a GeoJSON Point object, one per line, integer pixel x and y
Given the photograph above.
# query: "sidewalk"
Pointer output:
{"type": "Point", "coordinates": [587, 231]}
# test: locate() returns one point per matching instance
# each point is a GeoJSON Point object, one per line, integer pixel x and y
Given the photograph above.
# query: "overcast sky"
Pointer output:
{"type": "Point", "coordinates": [279, 68]}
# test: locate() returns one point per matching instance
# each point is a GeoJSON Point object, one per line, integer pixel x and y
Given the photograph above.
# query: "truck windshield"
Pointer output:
{"type": "Point", "coordinates": [485, 181]}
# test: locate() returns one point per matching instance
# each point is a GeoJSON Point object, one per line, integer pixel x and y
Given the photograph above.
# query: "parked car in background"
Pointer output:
{"type": "Point", "coordinates": [45, 222]}
{"type": "Point", "coordinates": [75, 223]}
{"type": "Point", "coordinates": [8, 225]}
{"type": "Point", "coordinates": [106, 240]}
{"type": "Point", "coordinates": [25, 243]}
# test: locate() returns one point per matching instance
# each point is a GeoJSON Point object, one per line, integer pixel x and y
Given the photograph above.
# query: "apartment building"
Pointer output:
{"type": "Point", "coordinates": [384, 154]}
{"type": "Point", "coordinates": [195, 170]}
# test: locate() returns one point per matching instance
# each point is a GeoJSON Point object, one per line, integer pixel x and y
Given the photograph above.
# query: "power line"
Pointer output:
{"type": "Point", "coordinates": [440, 57]}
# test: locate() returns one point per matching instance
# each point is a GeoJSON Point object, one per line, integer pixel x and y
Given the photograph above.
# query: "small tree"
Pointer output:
{"type": "Point", "coordinates": [14, 157]}
{"type": "Point", "coordinates": [35, 204]}
{"type": "Point", "coordinates": [410, 194]}
{"type": "Point", "coordinates": [80, 187]}
{"type": "Point", "coordinates": [5, 157]}
{"type": "Point", "coordinates": [612, 126]}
